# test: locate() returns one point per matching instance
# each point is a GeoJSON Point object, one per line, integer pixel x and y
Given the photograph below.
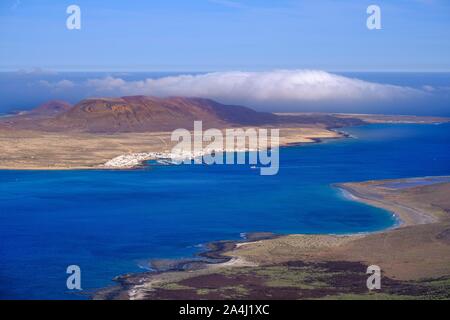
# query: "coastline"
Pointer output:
{"type": "Point", "coordinates": [406, 216]}
{"type": "Point", "coordinates": [347, 193]}
{"type": "Point", "coordinates": [213, 256]}
{"type": "Point", "coordinates": [228, 254]}
{"type": "Point", "coordinates": [138, 160]}
{"type": "Point", "coordinates": [28, 149]}
{"type": "Point", "coordinates": [32, 150]}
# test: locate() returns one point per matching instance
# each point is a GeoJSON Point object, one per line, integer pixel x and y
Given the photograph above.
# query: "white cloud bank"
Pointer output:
{"type": "Point", "coordinates": [259, 87]}
{"type": "Point", "coordinates": [60, 85]}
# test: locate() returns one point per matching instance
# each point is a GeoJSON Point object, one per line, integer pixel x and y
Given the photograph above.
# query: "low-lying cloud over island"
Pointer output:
{"type": "Point", "coordinates": [273, 86]}
{"type": "Point", "coordinates": [278, 90]}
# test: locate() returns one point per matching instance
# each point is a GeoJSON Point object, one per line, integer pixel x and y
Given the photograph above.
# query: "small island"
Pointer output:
{"type": "Point", "coordinates": [95, 131]}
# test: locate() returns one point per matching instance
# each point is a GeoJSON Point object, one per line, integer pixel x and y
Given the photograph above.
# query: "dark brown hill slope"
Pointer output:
{"type": "Point", "coordinates": [139, 113]}
{"type": "Point", "coordinates": [51, 108]}
{"type": "Point", "coordinates": [143, 114]}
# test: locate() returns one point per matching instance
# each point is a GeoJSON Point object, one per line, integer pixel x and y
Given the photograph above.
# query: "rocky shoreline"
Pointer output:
{"type": "Point", "coordinates": [213, 254]}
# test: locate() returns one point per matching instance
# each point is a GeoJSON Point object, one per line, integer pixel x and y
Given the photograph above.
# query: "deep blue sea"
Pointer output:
{"type": "Point", "coordinates": [113, 222]}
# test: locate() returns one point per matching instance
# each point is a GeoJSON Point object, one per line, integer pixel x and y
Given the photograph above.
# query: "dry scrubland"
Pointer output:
{"type": "Point", "coordinates": [25, 149]}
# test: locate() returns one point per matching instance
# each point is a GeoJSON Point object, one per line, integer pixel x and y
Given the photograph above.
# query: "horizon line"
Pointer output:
{"type": "Point", "coordinates": [49, 71]}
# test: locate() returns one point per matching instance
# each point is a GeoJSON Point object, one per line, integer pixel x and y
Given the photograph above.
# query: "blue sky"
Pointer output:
{"type": "Point", "coordinates": [218, 35]}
